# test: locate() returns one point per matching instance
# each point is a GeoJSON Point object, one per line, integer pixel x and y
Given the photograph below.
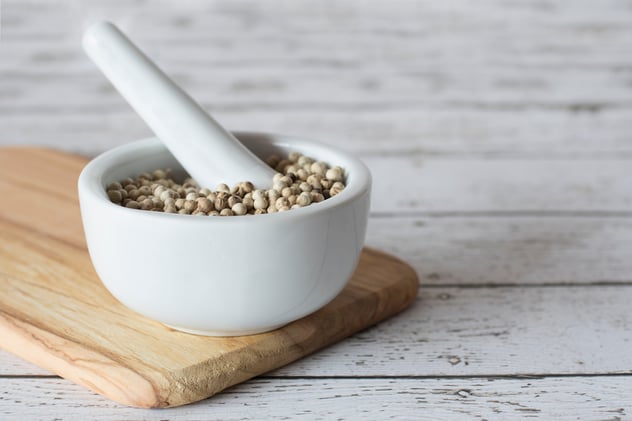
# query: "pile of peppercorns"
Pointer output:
{"type": "Point", "coordinates": [300, 181]}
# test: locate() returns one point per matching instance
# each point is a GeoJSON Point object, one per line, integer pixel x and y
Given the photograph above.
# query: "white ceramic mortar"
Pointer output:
{"type": "Point", "coordinates": [223, 276]}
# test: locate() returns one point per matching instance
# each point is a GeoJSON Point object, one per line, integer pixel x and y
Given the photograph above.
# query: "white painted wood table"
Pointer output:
{"type": "Point", "coordinates": [499, 134]}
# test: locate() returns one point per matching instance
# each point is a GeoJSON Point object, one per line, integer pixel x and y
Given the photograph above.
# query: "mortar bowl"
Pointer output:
{"type": "Point", "coordinates": [223, 276]}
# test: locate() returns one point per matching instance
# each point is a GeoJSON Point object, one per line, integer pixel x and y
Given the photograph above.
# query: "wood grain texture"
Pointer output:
{"type": "Point", "coordinates": [495, 77]}
{"type": "Point", "coordinates": [418, 184]}
{"type": "Point", "coordinates": [559, 398]}
{"type": "Point", "coordinates": [504, 249]}
{"type": "Point", "coordinates": [508, 331]}
{"type": "Point", "coordinates": [55, 312]}
{"type": "Point", "coordinates": [503, 331]}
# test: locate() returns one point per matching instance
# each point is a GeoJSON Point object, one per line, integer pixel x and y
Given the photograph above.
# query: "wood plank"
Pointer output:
{"type": "Point", "coordinates": [11, 365]}
{"type": "Point", "coordinates": [587, 398]}
{"type": "Point", "coordinates": [425, 131]}
{"type": "Point", "coordinates": [493, 250]}
{"type": "Point", "coordinates": [554, 83]}
{"type": "Point", "coordinates": [481, 332]}
{"type": "Point", "coordinates": [491, 331]}
{"type": "Point", "coordinates": [416, 183]}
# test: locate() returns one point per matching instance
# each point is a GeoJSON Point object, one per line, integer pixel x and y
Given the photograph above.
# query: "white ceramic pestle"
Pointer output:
{"type": "Point", "coordinates": [209, 153]}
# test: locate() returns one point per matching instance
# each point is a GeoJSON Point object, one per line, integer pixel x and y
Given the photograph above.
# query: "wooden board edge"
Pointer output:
{"type": "Point", "coordinates": [79, 364]}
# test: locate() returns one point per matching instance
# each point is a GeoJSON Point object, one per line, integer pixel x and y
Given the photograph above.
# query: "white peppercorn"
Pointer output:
{"type": "Point", "coordinates": [115, 196]}
{"type": "Point", "coordinates": [304, 160]}
{"type": "Point", "coordinates": [292, 169]}
{"type": "Point", "coordinates": [302, 174]}
{"type": "Point", "coordinates": [127, 181]}
{"type": "Point", "coordinates": [167, 194]}
{"type": "Point", "coordinates": [305, 187]}
{"type": "Point", "coordinates": [326, 183]}
{"type": "Point", "coordinates": [283, 164]}
{"type": "Point", "coordinates": [248, 201]}
{"type": "Point", "coordinates": [336, 188]}
{"type": "Point", "coordinates": [233, 200]}
{"type": "Point", "coordinates": [189, 182]}
{"type": "Point", "coordinates": [316, 197]}
{"type": "Point", "coordinates": [318, 168]}
{"type": "Point", "coordinates": [304, 199]}
{"type": "Point", "coordinates": [246, 187]}
{"type": "Point", "coordinates": [221, 200]}
{"type": "Point", "coordinates": [281, 202]}
{"type": "Point", "coordinates": [145, 190]}
{"type": "Point", "coordinates": [287, 180]}
{"type": "Point", "coordinates": [299, 182]}
{"type": "Point", "coordinates": [204, 205]}
{"type": "Point", "coordinates": [334, 174]}
{"type": "Point", "coordinates": [273, 195]}
{"type": "Point", "coordinates": [190, 205]}
{"type": "Point", "coordinates": [159, 174]}
{"type": "Point", "coordinates": [314, 180]}
{"type": "Point", "coordinates": [260, 203]}
{"type": "Point", "coordinates": [239, 209]}
{"type": "Point", "coordinates": [223, 188]}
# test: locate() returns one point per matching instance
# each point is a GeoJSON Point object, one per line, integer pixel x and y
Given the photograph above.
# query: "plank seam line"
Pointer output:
{"type": "Point", "coordinates": [497, 155]}
{"type": "Point", "coordinates": [29, 376]}
{"type": "Point", "coordinates": [456, 376]}
{"type": "Point", "coordinates": [624, 214]}
{"type": "Point", "coordinates": [591, 284]}
{"type": "Point", "coordinates": [383, 377]}
{"type": "Point", "coordinates": [382, 106]}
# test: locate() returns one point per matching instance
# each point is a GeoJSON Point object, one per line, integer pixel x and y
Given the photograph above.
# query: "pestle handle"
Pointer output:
{"type": "Point", "coordinates": [209, 153]}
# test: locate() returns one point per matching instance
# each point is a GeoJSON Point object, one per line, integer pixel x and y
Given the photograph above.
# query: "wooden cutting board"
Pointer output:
{"type": "Point", "coordinates": [55, 313]}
